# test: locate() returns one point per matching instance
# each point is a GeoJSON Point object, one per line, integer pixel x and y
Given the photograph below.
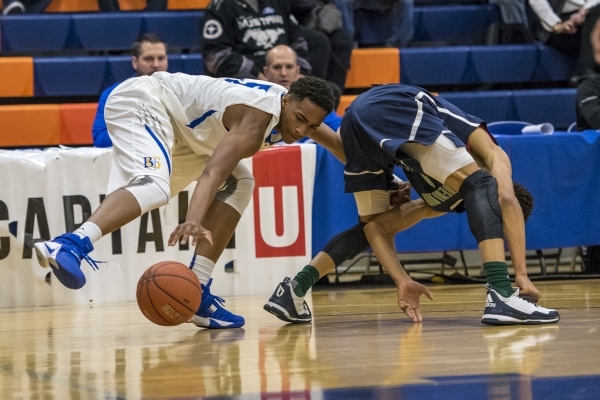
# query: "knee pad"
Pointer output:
{"type": "Point", "coordinates": [237, 189]}
{"type": "Point", "coordinates": [348, 244]}
{"type": "Point", "coordinates": [150, 192]}
{"type": "Point", "coordinates": [480, 193]}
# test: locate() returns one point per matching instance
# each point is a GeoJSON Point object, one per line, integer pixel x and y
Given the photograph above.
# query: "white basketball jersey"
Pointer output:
{"type": "Point", "coordinates": [197, 103]}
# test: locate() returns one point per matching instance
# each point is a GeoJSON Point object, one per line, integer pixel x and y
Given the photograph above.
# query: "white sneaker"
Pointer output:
{"type": "Point", "coordinates": [514, 310]}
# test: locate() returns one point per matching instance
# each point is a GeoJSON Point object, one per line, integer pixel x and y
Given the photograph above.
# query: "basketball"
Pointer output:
{"type": "Point", "coordinates": [168, 293]}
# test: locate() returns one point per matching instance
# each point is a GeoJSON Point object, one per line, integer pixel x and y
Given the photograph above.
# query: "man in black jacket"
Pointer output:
{"type": "Point", "coordinates": [238, 33]}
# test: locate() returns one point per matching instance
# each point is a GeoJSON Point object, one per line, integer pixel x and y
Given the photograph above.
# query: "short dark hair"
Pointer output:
{"type": "Point", "coordinates": [525, 199]}
{"type": "Point", "coordinates": [314, 89]}
{"type": "Point", "coordinates": [136, 48]}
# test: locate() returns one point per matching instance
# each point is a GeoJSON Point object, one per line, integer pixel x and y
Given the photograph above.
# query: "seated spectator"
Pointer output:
{"type": "Point", "coordinates": [588, 104]}
{"type": "Point", "coordinates": [402, 15]}
{"type": "Point", "coordinates": [24, 6]}
{"type": "Point", "coordinates": [515, 24]}
{"type": "Point", "coordinates": [149, 54]}
{"type": "Point", "coordinates": [323, 22]}
{"type": "Point", "coordinates": [281, 67]}
{"type": "Point", "coordinates": [568, 29]}
{"type": "Point", "coordinates": [238, 34]}
{"type": "Point", "coordinates": [151, 5]}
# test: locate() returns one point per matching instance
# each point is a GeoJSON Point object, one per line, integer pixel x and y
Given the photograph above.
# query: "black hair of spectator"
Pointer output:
{"type": "Point", "coordinates": [136, 48]}
{"type": "Point", "coordinates": [314, 89]}
{"type": "Point", "coordinates": [525, 199]}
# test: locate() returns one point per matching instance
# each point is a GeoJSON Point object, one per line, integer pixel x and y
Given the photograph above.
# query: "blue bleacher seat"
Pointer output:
{"type": "Point", "coordinates": [118, 69]}
{"type": "Point", "coordinates": [187, 63]}
{"type": "Point", "coordinates": [433, 66]}
{"type": "Point", "coordinates": [556, 106]}
{"type": "Point", "coordinates": [463, 24]}
{"type": "Point", "coordinates": [177, 29]}
{"type": "Point", "coordinates": [69, 76]}
{"type": "Point", "coordinates": [107, 31]}
{"type": "Point", "coordinates": [554, 65]}
{"type": "Point", "coordinates": [488, 105]}
{"type": "Point", "coordinates": [30, 33]}
{"type": "Point", "coordinates": [505, 63]}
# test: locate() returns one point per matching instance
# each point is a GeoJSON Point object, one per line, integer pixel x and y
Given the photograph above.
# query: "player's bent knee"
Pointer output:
{"type": "Point", "coordinates": [237, 189]}
{"type": "Point", "coordinates": [347, 245]}
{"type": "Point", "coordinates": [150, 192]}
{"type": "Point", "coordinates": [480, 193]}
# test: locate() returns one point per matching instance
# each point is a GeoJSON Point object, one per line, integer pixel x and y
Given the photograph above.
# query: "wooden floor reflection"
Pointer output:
{"type": "Point", "coordinates": [358, 339]}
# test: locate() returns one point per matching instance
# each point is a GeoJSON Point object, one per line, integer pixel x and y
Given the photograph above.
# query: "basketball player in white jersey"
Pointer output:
{"type": "Point", "coordinates": [171, 129]}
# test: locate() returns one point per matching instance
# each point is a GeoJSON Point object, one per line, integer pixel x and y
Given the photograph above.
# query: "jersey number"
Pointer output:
{"type": "Point", "coordinates": [253, 85]}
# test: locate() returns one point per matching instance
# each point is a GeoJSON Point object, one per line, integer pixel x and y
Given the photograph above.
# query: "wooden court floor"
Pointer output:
{"type": "Point", "coordinates": [359, 346]}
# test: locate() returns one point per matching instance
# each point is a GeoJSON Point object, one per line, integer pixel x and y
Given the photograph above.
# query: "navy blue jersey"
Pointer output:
{"type": "Point", "coordinates": [385, 117]}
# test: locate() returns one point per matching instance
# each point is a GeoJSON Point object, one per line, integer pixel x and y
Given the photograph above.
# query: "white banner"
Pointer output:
{"type": "Point", "coordinates": [45, 193]}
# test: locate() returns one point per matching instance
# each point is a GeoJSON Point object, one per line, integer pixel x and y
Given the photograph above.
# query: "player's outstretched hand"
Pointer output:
{"type": "Point", "coordinates": [189, 230]}
{"type": "Point", "coordinates": [409, 292]}
{"type": "Point", "coordinates": [527, 290]}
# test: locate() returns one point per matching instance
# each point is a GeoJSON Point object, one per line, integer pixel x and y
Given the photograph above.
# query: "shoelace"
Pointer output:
{"type": "Point", "coordinates": [92, 262]}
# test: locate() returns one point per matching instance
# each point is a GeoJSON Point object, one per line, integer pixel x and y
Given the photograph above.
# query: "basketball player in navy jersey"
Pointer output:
{"type": "Point", "coordinates": [405, 125]}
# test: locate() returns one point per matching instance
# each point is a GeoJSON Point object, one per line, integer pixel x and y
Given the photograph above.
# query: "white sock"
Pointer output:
{"type": "Point", "coordinates": [203, 268]}
{"type": "Point", "coordinates": [90, 230]}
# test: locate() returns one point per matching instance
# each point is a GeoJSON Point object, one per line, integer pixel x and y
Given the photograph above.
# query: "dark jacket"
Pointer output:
{"type": "Point", "coordinates": [237, 38]}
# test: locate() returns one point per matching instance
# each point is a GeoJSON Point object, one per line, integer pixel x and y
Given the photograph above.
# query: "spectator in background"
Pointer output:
{"type": "Point", "coordinates": [12, 7]}
{"type": "Point", "coordinates": [515, 24]}
{"type": "Point", "coordinates": [402, 15]}
{"type": "Point", "coordinates": [321, 24]}
{"type": "Point", "coordinates": [568, 29]}
{"type": "Point", "coordinates": [149, 54]}
{"type": "Point", "coordinates": [588, 104]}
{"type": "Point", "coordinates": [281, 67]}
{"type": "Point", "coordinates": [238, 33]}
{"type": "Point", "coordinates": [151, 5]}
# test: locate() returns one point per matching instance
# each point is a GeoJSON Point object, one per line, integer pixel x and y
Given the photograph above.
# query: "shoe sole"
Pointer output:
{"type": "Point", "coordinates": [46, 261]}
{"type": "Point", "coordinates": [283, 315]}
{"type": "Point", "coordinates": [210, 323]}
{"type": "Point", "coordinates": [490, 319]}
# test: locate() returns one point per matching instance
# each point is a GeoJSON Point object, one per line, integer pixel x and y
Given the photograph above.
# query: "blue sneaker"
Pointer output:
{"type": "Point", "coordinates": [515, 310]}
{"type": "Point", "coordinates": [64, 254]}
{"type": "Point", "coordinates": [212, 314]}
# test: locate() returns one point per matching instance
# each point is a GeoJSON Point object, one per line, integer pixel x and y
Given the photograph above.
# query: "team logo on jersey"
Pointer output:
{"type": "Point", "coordinates": [212, 29]}
{"type": "Point", "coordinates": [152, 163]}
{"type": "Point", "coordinates": [264, 38]}
{"type": "Point", "coordinates": [268, 10]}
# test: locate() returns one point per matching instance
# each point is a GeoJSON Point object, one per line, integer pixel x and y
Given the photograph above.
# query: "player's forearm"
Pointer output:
{"type": "Point", "coordinates": [331, 140]}
{"type": "Point", "coordinates": [382, 246]}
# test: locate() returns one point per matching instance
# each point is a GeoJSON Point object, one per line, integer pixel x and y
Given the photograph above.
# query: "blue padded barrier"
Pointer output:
{"type": "Point", "coordinates": [506, 63]}
{"type": "Point", "coordinates": [433, 66]}
{"type": "Point", "coordinates": [487, 105]}
{"type": "Point", "coordinates": [187, 63]}
{"type": "Point", "coordinates": [109, 31]}
{"type": "Point", "coordinates": [556, 106]}
{"type": "Point", "coordinates": [30, 33]}
{"type": "Point", "coordinates": [178, 29]}
{"type": "Point", "coordinates": [69, 76]}
{"type": "Point", "coordinates": [455, 23]}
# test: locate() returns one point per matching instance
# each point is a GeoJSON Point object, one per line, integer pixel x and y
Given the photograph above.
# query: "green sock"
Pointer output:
{"type": "Point", "coordinates": [496, 275]}
{"type": "Point", "coordinates": [304, 280]}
